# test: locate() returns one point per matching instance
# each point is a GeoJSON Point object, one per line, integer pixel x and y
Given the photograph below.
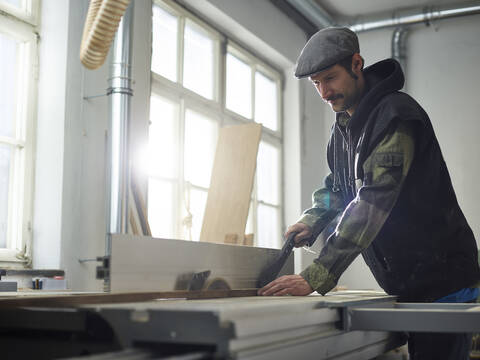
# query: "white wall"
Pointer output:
{"type": "Point", "coordinates": [50, 135]}
{"type": "Point", "coordinates": [443, 75]}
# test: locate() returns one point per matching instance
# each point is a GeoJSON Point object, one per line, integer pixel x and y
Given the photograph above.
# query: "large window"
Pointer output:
{"type": "Point", "coordinates": [17, 77]}
{"type": "Point", "coordinates": [202, 81]}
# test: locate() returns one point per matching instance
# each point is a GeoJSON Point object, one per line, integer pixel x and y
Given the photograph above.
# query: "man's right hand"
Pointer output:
{"type": "Point", "coordinates": [304, 233]}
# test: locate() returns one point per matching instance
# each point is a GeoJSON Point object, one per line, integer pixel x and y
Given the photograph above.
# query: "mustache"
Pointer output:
{"type": "Point", "coordinates": [334, 97]}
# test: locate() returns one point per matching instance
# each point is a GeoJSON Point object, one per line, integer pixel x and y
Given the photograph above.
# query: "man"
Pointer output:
{"type": "Point", "coordinates": [391, 186]}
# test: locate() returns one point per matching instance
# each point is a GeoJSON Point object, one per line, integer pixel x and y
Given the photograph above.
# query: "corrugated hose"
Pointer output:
{"type": "Point", "coordinates": [101, 24]}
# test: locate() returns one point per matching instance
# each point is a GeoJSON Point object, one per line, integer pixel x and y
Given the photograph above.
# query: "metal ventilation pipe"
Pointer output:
{"type": "Point", "coordinates": [399, 46]}
{"type": "Point", "coordinates": [321, 18]}
{"type": "Point", "coordinates": [410, 17]}
{"type": "Point", "coordinates": [118, 172]}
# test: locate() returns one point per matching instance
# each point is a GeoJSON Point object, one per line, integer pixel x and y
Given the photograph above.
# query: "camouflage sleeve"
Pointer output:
{"type": "Point", "coordinates": [326, 204]}
{"type": "Point", "coordinates": [385, 170]}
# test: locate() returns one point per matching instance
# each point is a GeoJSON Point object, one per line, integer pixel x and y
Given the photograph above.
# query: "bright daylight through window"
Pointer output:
{"type": "Point", "coordinates": [189, 105]}
{"type": "Point", "coordinates": [18, 52]}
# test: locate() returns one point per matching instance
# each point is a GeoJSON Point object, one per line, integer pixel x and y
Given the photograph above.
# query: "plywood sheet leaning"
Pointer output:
{"type": "Point", "coordinates": [231, 183]}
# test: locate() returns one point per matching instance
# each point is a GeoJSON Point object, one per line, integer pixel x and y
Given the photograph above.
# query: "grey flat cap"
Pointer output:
{"type": "Point", "coordinates": [327, 47]}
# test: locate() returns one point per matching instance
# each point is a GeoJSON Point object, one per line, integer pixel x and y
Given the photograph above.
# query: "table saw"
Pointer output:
{"type": "Point", "coordinates": [342, 325]}
{"type": "Point", "coordinates": [144, 317]}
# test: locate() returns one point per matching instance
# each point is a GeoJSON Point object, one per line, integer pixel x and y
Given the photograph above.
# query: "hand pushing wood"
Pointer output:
{"type": "Point", "coordinates": [271, 271]}
{"type": "Point", "coordinates": [287, 285]}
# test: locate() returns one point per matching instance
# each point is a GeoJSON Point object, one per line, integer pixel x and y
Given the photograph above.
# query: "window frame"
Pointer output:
{"type": "Point", "coordinates": [216, 108]}
{"type": "Point", "coordinates": [28, 14]}
{"type": "Point", "coordinates": [22, 27]}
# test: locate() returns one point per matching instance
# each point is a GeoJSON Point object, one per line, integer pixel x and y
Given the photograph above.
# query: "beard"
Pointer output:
{"type": "Point", "coordinates": [347, 100]}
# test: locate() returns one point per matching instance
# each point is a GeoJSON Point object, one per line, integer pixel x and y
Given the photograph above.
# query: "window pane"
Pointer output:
{"type": "Point", "coordinates": [16, 3]}
{"type": "Point", "coordinates": [198, 68]}
{"type": "Point", "coordinates": [6, 153]}
{"type": "Point", "coordinates": [200, 143]}
{"type": "Point", "coordinates": [164, 43]}
{"type": "Point", "coordinates": [268, 224]}
{"type": "Point", "coordinates": [161, 208]}
{"type": "Point", "coordinates": [268, 173]}
{"type": "Point", "coordinates": [266, 101]}
{"type": "Point", "coordinates": [8, 60]}
{"type": "Point", "coordinates": [196, 200]}
{"type": "Point", "coordinates": [163, 138]}
{"type": "Point", "coordinates": [239, 86]}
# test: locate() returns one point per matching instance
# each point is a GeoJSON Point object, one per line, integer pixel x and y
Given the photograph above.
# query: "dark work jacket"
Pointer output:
{"type": "Point", "coordinates": [425, 249]}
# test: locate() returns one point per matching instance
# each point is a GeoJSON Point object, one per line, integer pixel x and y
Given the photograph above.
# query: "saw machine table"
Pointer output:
{"type": "Point", "coordinates": [342, 325]}
{"type": "Point", "coordinates": [227, 328]}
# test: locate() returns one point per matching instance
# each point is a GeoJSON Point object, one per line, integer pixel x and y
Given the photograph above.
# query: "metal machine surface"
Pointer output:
{"type": "Point", "coordinates": [341, 325]}
{"type": "Point", "coordinates": [255, 327]}
{"type": "Point", "coordinates": [228, 328]}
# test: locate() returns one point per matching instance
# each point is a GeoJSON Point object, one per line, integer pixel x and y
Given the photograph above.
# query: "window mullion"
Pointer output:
{"type": "Point", "coordinates": [254, 210]}
{"type": "Point", "coordinates": [180, 47]}
{"type": "Point", "coordinates": [223, 80]}
{"type": "Point", "coordinates": [13, 142]}
{"type": "Point", "coordinates": [18, 194]}
{"type": "Point", "coordinates": [253, 92]}
{"type": "Point", "coordinates": [181, 169]}
{"type": "Point", "coordinates": [279, 107]}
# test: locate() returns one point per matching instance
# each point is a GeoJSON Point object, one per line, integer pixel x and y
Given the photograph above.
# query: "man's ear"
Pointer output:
{"type": "Point", "coordinates": [357, 63]}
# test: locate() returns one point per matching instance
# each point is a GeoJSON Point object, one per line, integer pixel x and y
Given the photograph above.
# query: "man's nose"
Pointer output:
{"type": "Point", "coordinates": [324, 91]}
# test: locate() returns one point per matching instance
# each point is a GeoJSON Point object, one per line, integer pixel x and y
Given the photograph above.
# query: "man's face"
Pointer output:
{"type": "Point", "coordinates": [338, 88]}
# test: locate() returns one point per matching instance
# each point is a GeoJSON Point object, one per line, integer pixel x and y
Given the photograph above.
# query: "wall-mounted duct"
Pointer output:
{"type": "Point", "coordinates": [415, 16]}
{"type": "Point", "coordinates": [120, 92]}
{"type": "Point", "coordinates": [312, 11]}
{"type": "Point", "coordinates": [399, 46]}
{"type": "Point", "coordinates": [100, 26]}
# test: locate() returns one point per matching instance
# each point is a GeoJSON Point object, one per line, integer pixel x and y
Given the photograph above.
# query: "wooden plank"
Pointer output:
{"type": "Point", "coordinates": [141, 263]}
{"type": "Point", "coordinates": [248, 240]}
{"type": "Point", "coordinates": [231, 184]}
{"type": "Point", "coordinates": [139, 206]}
{"type": "Point", "coordinates": [68, 300]}
{"type": "Point", "coordinates": [231, 239]}
{"type": "Point", "coordinates": [133, 223]}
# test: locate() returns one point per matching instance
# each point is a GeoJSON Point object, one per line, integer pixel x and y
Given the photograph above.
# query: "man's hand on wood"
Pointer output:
{"type": "Point", "coordinates": [287, 285]}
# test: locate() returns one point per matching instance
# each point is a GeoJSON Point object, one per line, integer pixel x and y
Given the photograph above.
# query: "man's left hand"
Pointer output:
{"type": "Point", "coordinates": [287, 285]}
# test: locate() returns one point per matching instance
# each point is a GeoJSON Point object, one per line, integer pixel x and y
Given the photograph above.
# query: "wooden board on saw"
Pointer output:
{"type": "Point", "coordinates": [231, 184]}
{"type": "Point", "coordinates": [141, 263]}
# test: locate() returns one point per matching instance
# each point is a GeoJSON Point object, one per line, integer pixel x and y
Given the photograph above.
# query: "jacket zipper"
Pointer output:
{"type": "Point", "coordinates": [351, 181]}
